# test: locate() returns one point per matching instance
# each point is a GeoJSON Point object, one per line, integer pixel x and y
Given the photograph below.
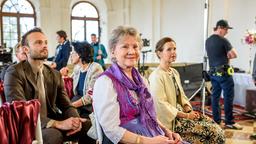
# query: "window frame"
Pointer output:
{"type": "Point", "coordinates": [84, 19]}
{"type": "Point", "coordinates": [18, 16]}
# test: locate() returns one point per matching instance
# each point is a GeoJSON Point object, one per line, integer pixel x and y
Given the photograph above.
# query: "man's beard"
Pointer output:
{"type": "Point", "coordinates": [40, 58]}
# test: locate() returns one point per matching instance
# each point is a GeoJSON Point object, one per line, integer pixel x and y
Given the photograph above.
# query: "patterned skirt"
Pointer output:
{"type": "Point", "coordinates": [201, 131]}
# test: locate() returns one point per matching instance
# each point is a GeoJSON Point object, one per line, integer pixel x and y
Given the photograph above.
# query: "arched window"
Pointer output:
{"type": "Point", "coordinates": [16, 18]}
{"type": "Point", "coordinates": [84, 21]}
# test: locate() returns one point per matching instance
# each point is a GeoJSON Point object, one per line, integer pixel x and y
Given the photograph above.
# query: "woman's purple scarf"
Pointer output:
{"type": "Point", "coordinates": [146, 106]}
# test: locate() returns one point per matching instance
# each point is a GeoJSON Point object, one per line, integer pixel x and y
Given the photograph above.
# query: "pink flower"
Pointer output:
{"type": "Point", "coordinates": [250, 37]}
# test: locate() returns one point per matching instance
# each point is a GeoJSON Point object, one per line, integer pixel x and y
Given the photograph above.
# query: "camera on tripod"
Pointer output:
{"type": "Point", "coordinates": [146, 42]}
{"type": "Point", "coordinates": [5, 55]}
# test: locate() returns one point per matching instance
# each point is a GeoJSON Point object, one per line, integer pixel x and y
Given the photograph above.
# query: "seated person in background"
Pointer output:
{"type": "Point", "coordinates": [122, 104]}
{"type": "Point", "coordinates": [32, 79]}
{"type": "Point", "coordinates": [84, 77]}
{"type": "Point", "coordinates": [20, 56]}
{"type": "Point", "coordinates": [172, 105]}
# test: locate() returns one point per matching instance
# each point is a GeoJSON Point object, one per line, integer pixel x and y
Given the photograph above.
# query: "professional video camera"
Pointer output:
{"type": "Point", "coordinates": [146, 42]}
{"type": "Point", "coordinates": [5, 56]}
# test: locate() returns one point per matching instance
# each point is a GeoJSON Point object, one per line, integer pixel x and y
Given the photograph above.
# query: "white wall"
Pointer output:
{"type": "Point", "coordinates": [179, 19]}
{"type": "Point", "coordinates": [241, 16]}
{"type": "Point", "coordinates": [183, 21]}
{"type": "Point", "coordinates": [54, 16]}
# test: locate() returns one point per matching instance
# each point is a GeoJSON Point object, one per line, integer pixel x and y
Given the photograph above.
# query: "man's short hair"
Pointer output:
{"type": "Point", "coordinates": [17, 47]}
{"type": "Point", "coordinates": [24, 41]}
{"type": "Point", "coordinates": [62, 34]}
{"type": "Point", "coordinates": [93, 34]}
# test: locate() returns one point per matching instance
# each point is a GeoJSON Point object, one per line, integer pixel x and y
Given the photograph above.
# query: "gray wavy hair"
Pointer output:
{"type": "Point", "coordinates": [120, 32]}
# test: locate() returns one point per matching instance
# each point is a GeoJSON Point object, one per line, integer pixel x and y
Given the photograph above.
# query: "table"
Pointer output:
{"type": "Point", "coordinates": [242, 82]}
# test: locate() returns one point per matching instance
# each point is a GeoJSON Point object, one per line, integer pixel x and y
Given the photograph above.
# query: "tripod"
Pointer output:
{"type": "Point", "coordinates": [204, 73]}
{"type": "Point", "coordinates": [143, 67]}
{"type": "Point", "coordinates": [202, 86]}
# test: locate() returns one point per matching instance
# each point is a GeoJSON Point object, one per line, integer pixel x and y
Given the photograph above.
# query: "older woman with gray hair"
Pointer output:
{"type": "Point", "coordinates": [122, 103]}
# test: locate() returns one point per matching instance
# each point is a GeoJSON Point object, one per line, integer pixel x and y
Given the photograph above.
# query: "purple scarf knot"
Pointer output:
{"type": "Point", "coordinates": [144, 106]}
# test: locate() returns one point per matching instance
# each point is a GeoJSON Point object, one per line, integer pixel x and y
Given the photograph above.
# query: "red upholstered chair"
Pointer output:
{"type": "Point", "coordinates": [68, 84]}
{"type": "Point", "coordinates": [2, 97]}
{"type": "Point", "coordinates": [18, 122]}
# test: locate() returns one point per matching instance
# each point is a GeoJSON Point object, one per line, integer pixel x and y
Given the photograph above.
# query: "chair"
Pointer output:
{"type": "Point", "coordinates": [2, 97]}
{"type": "Point", "coordinates": [20, 122]}
{"type": "Point", "coordinates": [38, 136]}
{"type": "Point", "coordinates": [68, 84]}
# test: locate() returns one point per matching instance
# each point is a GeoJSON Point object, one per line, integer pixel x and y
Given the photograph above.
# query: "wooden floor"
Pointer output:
{"type": "Point", "coordinates": [241, 136]}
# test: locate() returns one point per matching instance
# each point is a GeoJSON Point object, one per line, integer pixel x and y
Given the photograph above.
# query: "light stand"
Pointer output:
{"type": "Point", "coordinates": [202, 86]}
{"type": "Point", "coordinates": [203, 83]}
{"type": "Point", "coordinates": [142, 69]}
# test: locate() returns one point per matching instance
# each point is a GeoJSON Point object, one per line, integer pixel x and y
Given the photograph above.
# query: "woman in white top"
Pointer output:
{"type": "Point", "coordinates": [122, 104]}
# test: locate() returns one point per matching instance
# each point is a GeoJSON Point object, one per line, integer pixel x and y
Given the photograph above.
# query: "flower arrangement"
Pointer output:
{"type": "Point", "coordinates": [250, 37]}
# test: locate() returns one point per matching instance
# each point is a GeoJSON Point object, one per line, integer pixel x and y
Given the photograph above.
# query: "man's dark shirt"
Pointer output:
{"type": "Point", "coordinates": [217, 48]}
{"type": "Point", "coordinates": [62, 54]}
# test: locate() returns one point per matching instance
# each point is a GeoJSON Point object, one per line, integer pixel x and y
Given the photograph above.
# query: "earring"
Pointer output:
{"type": "Point", "coordinates": [113, 59]}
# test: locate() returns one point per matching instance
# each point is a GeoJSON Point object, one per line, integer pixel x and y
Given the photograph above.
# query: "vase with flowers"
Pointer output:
{"type": "Point", "coordinates": [250, 39]}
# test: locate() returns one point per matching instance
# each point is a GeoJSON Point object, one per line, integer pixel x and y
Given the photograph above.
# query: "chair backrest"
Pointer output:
{"type": "Point", "coordinates": [2, 97]}
{"type": "Point", "coordinates": [18, 121]}
{"type": "Point", "coordinates": [68, 84]}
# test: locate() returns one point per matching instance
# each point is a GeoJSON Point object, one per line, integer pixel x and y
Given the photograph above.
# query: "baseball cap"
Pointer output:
{"type": "Point", "coordinates": [223, 23]}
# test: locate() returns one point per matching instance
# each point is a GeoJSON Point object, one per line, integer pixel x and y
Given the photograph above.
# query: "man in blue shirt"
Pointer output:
{"type": "Point", "coordinates": [99, 51]}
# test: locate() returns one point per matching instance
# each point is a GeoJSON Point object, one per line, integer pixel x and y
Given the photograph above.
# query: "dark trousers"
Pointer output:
{"type": "Point", "coordinates": [225, 83]}
{"type": "Point", "coordinates": [106, 140]}
{"type": "Point", "coordinates": [83, 111]}
{"type": "Point", "coordinates": [55, 136]}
